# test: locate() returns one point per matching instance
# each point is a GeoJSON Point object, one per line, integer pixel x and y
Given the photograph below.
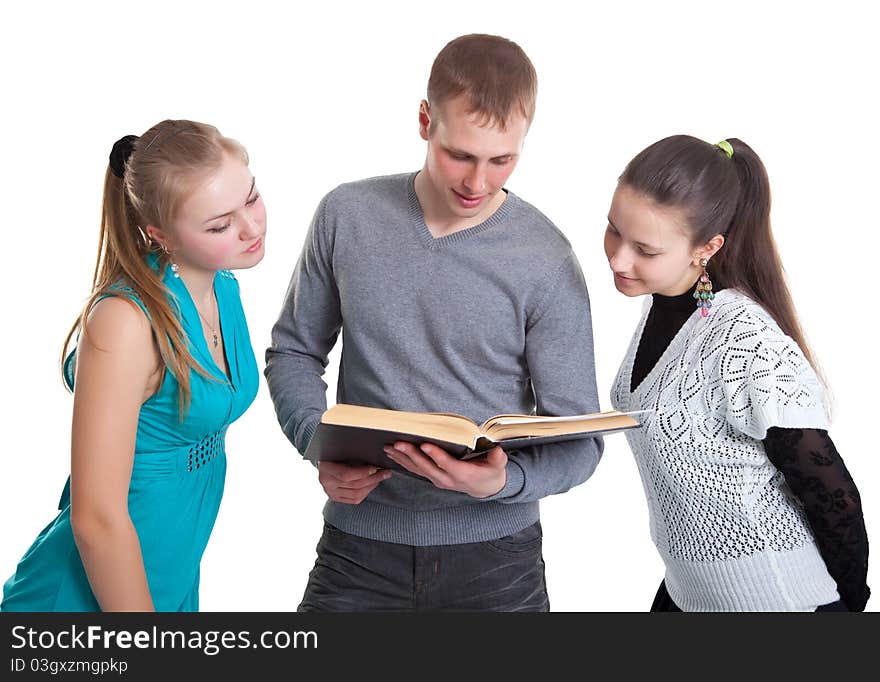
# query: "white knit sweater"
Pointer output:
{"type": "Point", "coordinates": [732, 536]}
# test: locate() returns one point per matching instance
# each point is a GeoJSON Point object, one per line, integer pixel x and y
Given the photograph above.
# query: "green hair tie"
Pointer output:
{"type": "Point", "coordinates": [726, 147]}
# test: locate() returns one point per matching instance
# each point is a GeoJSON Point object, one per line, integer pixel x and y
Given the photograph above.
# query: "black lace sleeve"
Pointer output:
{"type": "Point", "coordinates": [816, 474]}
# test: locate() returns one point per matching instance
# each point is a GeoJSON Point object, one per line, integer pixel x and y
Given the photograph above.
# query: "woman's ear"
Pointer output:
{"type": "Point", "coordinates": [709, 249]}
{"type": "Point", "coordinates": [158, 236]}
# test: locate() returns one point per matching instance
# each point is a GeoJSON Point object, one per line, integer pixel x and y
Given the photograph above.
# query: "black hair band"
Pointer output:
{"type": "Point", "coordinates": [122, 149]}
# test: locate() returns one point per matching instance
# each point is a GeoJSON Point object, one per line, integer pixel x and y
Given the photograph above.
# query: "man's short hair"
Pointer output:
{"type": "Point", "coordinates": [493, 73]}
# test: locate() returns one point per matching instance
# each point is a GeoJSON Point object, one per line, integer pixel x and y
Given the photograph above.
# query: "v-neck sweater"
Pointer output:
{"type": "Point", "coordinates": [492, 319]}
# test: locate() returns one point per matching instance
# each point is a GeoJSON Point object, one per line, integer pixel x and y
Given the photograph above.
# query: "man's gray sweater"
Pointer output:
{"type": "Point", "coordinates": [493, 319]}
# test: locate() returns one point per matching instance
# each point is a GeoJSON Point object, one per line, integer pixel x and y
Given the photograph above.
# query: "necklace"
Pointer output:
{"type": "Point", "coordinates": [210, 326]}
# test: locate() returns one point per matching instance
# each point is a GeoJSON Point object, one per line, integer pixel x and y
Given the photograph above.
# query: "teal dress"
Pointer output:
{"type": "Point", "coordinates": [176, 481]}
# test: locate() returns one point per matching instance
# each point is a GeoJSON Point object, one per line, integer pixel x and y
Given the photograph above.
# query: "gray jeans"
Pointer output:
{"type": "Point", "coordinates": [357, 574]}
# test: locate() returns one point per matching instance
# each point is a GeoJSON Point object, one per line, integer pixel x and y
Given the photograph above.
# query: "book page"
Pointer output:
{"type": "Point", "coordinates": [522, 425]}
{"type": "Point", "coordinates": [430, 425]}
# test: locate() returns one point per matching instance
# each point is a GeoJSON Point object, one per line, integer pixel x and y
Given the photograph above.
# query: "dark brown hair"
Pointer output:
{"type": "Point", "coordinates": [494, 74]}
{"type": "Point", "coordinates": [728, 196]}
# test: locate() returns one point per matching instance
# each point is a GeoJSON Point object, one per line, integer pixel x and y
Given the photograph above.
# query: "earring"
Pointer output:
{"type": "Point", "coordinates": [175, 268]}
{"type": "Point", "coordinates": [703, 292]}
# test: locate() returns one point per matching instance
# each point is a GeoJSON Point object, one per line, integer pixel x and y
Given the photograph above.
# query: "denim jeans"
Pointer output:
{"type": "Point", "coordinates": [353, 573]}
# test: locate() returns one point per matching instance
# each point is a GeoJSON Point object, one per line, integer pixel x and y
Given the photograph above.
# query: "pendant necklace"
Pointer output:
{"type": "Point", "coordinates": [210, 326]}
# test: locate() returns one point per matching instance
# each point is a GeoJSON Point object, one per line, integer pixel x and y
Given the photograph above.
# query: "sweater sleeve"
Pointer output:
{"type": "Point", "coordinates": [304, 335]}
{"type": "Point", "coordinates": [816, 474]}
{"type": "Point", "coordinates": [766, 380]}
{"type": "Point", "coordinates": [559, 353]}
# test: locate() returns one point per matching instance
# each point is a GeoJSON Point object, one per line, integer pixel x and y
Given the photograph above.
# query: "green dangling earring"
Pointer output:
{"type": "Point", "coordinates": [703, 292]}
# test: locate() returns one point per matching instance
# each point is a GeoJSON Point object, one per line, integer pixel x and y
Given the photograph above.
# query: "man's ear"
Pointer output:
{"type": "Point", "coordinates": [424, 119]}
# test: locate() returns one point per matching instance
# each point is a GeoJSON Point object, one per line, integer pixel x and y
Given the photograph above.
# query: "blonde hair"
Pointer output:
{"type": "Point", "coordinates": [166, 164]}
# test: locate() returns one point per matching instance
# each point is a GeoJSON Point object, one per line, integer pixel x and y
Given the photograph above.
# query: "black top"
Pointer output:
{"type": "Point", "coordinates": [807, 458]}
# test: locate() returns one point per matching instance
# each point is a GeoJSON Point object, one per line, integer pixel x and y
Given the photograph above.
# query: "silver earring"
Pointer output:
{"type": "Point", "coordinates": [175, 268]}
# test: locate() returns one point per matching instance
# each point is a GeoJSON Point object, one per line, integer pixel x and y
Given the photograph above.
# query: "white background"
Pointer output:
{"type": "Point", "coordinates": [324, 96]}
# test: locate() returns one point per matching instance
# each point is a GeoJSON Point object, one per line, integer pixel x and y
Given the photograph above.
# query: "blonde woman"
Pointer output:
{"type": "Point", "coordinates": [163, 365]}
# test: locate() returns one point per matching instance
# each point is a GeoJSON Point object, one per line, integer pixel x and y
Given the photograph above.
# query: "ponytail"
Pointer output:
{"type": "Point", "coordinates": [727, 194]}
{"type": "Point", "coordinates": [749, 260]}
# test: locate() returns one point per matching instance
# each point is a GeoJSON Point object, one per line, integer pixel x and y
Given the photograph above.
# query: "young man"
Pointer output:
{"type": "Point", "coordinates": [453, 295]}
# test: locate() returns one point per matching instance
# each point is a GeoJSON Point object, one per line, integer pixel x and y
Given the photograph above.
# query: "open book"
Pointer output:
{"type": "Point", "coordinates": [356, 435]}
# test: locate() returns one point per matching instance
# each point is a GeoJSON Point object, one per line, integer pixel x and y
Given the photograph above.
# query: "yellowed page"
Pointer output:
{"type": "Point", "coordinates": [430, 425]}
{"type": "Point", "coordinates": [521, 426]}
